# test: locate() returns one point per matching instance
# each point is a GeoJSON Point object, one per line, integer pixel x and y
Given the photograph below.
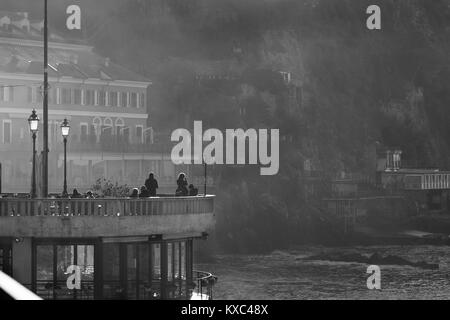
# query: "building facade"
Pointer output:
{"type": "Point", "coordinates": [102, 248]}
{"type": "Point", "coordinates": [106, 105]}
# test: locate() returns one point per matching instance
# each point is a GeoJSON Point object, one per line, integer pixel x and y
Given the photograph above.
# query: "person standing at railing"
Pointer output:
{"type": "Point", "coordinates": [182, 183]}
{"type": "Point", "coordinates": [76, 194]}
{"type": "Point", "coordinates": [193, 191]}
{"type": "Point", "coordinates": [151, 184]}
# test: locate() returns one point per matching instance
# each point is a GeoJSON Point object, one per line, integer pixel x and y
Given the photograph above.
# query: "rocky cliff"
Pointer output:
{"type": "Point", "coordinates": [308, 67]}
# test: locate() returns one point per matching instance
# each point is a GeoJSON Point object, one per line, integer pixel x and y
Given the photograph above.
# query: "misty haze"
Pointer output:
{"type": "Point", "coordinates": [225, 149]}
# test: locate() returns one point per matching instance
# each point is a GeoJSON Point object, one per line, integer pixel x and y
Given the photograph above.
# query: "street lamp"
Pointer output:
{"type": "Point", "coordinates": [33, 121]}
{"type": "Point", "coordinates": [65, 128]}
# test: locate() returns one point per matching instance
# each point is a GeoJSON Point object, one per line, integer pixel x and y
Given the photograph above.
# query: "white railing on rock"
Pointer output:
{"type": "Point", "coordinates": [106, 206]}
{"type": "Point", "coordinates": [428, 181]}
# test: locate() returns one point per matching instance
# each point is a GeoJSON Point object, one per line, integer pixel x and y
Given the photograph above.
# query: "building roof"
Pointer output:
{"type": "Point", "coordinates": [21, 51]}
{"type": "Point", "coordinates": [83, 63]}
{"type": "Point", "coordinates": [13, 16]}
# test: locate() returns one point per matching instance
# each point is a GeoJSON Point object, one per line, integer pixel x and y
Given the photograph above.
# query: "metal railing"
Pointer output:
{"type": "Point", "coordinates": [49, 290]}
{"type": "Point", "coordinates": [202, 288]}
{"type": "Point", "coordinates": [205, 283]}
{"type": "Point", "coordinates": [427, 181]}
{"type": "Point", "coordinates": [113, 144]}
{"type": "Point", "coordinates": [106, 206]}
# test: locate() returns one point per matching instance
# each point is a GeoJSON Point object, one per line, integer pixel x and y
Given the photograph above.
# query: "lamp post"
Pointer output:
{"type": "Point", "coordinates": [33, 121]}
{"type": "Point", "coordinates": [45, 110]}
{"type": "Point", "coordinates": [65, 128]}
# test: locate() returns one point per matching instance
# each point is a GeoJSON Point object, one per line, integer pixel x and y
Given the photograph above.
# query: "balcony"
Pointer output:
{"type": "Point", "coordinates": [112, 144]}
{"type": "Point", "coordinates": [115, 144]}
{"type": "Point", "coordinates": [427, 181]}
{"type": "Point", "coordinates": [105, 217]}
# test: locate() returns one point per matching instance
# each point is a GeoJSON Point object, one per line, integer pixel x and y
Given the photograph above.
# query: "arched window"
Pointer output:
{"type": "Point", "coordinates": [107, 122]}
{"type": "Point", "coordinates": [119, 126]}
{"type": "Point", "coordinates": [107, 129]}
{"type": "Point", "coordinates": [96, 125]}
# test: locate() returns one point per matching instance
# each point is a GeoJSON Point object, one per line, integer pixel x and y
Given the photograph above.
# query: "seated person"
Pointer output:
{"type": "Point", "coordinates": [144, 193]}
{"type": "Point", "coordinates": [134, 193]}
{"type": "Point", "coordinates": [192, 190]}
{"type": "Point", "coordinates": [89, 195]}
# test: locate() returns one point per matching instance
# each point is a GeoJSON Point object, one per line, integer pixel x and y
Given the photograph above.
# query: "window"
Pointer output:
{"type": "Point", "coordinates": [126, 272]}
{"type": "Point", "coordinates": [143, 255]}
{"type": "Point", "coordinates": [119, 126]}
{"type": "Point", "coordinates": [11, 94]}
{"type": "Point", "coordinates": [107, 128]}
{"type": "Point", "coordinates": [183, 260]}
{"type": "Point", "coordinates": [5, 259]}
{"type": "Point", "coordinates": [84, 132]}
{"type": "Point", "coordinates": [77, 96]}
{"type": "Point", "coordinates": [58, 95]}
{"type": "Point", "coordinates": [7, 94]}
{"type": "Point", "coordinates": [141, 100]}
{"type": "Point", "coordinates": [66, 96]}
{"type": "Point", "coordinates": [6, 131]}
{"type": "Point", "coordinates": [53, 130]}
{"type": "Point", "coordinates": [38, 95]}
{"type": "Point", "coordinates": [133, 99]}
{"type": "Point", "coordinates": [149, 135]}
{"type": "Point", "coordinates": [169, 262]}
{"type": "Point", "coordinates": [54, 265]}
{"type": "Point", "coordinates": [139, 134]}
{"type": "Point", "coordinates": [52, 95]}
{"type": "Point", "coordinates": [97, 122]}
{"type": "Point", "coordinates": [126, 134]}
{"type": "Point", "coordinates": [111, 271]}
{"type": "Point", "coordinates": [92, 133]}
{"type": "Point", "coordinates": [156, 261]}
{"type": "Point", "coordinates": [176, 260]}
{"type": "Point", "coordinates": [113, 99]}
{"type": "Point", "coordinates": [29, 94]}
{"type": "Point", "coordinates": [123, 99]}
{"type": "Point", "coordinates": [89, 97]}
{"type": "Point", "coordinates": [101, 98]}
{"type": "Point", "coordinates": [108, 122]}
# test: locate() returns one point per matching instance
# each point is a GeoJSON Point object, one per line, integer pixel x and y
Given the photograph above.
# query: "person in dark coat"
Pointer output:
{"type": "Point", "coordinates": [182, 189]}
{"type": "Point", "coordinates": [134, 193]}
{"type": "Point", "coordinates": [193, 191]}
{"type": "Point", "coordinates": [144, 193]}
{"type": "Point", "coordinates": [151, 184]}
{"type": "Point", "coordinates": [76, 194]}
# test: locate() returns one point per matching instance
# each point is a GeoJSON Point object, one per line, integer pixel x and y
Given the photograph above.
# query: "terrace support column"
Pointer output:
{"type": "Point", "coordinates": [98, 269]}
{"type": "Point", "coordinates": [164, 270]}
